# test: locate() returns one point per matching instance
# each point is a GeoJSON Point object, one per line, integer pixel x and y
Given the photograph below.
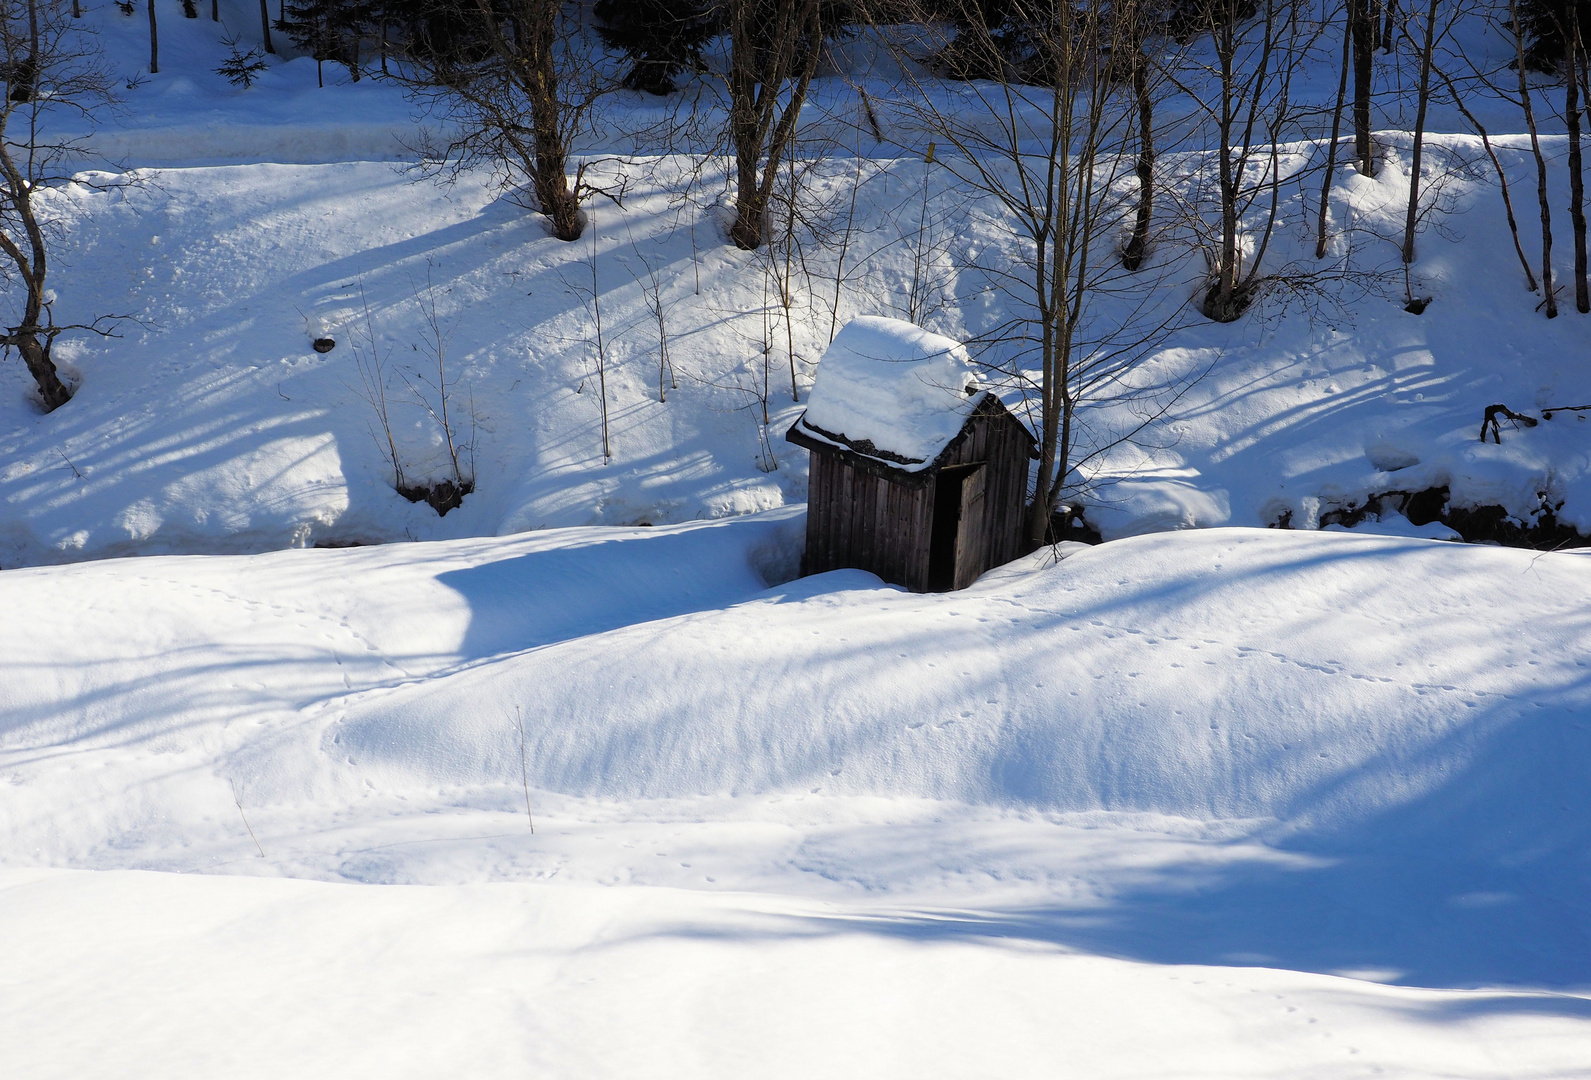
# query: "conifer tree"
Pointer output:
{"type": "Point", "coordinates": [661, 38]}
{"type": "Point", "coordinates": [329, 30]}
{"type": "Point", "coordinates": [1547, 24]}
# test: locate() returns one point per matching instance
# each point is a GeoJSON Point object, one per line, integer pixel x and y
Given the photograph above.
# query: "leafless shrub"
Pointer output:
{"type": "Point", "coordinates": [434, 394]}
{"type": "Point", "coordinates": [371, 366]}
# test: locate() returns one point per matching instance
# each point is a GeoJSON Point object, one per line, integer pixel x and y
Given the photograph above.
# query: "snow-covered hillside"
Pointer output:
{"type": "Point", "coordinates": [211, 424]}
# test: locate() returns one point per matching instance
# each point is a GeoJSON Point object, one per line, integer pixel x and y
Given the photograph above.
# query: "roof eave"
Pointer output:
{"type": "Point", "coordinates": [860, 462]}
{"type": "Point", "coordinates": [990, 406]}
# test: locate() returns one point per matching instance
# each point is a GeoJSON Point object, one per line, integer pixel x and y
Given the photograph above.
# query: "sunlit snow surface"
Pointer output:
{"type": "Point", "coordinates": [1157, 808]}
{"type": "Point", "coordinates": [895, 386]}
{"type": "Point", "coordinates": [1231, 804]}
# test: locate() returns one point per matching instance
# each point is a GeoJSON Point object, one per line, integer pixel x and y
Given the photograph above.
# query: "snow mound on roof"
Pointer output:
{"type": "Point", "coordinates": [895, 386]}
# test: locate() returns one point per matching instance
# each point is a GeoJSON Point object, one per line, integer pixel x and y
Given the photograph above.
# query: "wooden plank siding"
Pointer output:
{"type": "Point", "coordinates": [870, 516]}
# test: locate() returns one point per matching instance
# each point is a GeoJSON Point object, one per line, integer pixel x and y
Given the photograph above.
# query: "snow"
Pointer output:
{"type": "Point", "coordinates": [902, 390]}
{"type": "Point", "coordinates": [1208, 800]}
{"type": "Point", "coordinates": [261, 978]}
{"type": "Point", "coordinates": [211, 426]}
{"type": "Point", "coordinates": [1140, 801]}
{"type": "Point", "coordinates": [1395, 524]}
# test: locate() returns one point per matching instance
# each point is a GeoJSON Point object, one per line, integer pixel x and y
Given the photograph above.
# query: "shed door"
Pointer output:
{"type": "Point", "coordinates": [944, 549]}
{"type": "Point", "coordinates": [972, 532]}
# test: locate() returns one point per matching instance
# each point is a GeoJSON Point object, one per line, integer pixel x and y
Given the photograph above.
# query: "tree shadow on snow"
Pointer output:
{"type": "Point", "coordinates": [1479, 876]}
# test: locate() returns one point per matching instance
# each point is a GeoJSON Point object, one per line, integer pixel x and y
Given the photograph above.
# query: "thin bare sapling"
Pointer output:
{"type": "Point", "coordinates": [524, 765]}
{"type": "Point", "coordinates": [785, 251]}
{"type": "Point", "coordinates": [1456, 96]}
{"type": "Point", "coordinates": [371, 367]}
{"type": "Point", "coordinates": [1549, 294]}
{"type": "Point", "coordinates": [1251, 109]}
{"type": "Point", "coordinates": [1330, 176]}
{"type": "Point", "coordinates": [845, 234]}
{"type": "Point", "coordinates": [1411, 219]}
{"type": "Point", "coordinates": [434, 393]}
{"type": "Point", "coordinates": [592, 295]}
{"type": "Point", "coordinates": [1050, 160]}
{"type": "Point", "coordinates": [651, 286]}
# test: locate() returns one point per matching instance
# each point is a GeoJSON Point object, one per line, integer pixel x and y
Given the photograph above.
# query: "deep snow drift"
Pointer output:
{"type": "Point", "coordinates": [1263, 753]}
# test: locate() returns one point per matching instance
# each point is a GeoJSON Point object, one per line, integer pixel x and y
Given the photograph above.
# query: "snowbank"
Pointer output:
{"type": "Point", "coordinates": [1317, 716]}
{"type": "Point", "coordinates": [211, 426]}
{"type": "Point", "coordinates": [171, 975]}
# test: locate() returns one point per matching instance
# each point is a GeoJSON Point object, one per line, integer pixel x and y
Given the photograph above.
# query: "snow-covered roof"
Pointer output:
{"type": "Point", "coordinates": [893, 391]}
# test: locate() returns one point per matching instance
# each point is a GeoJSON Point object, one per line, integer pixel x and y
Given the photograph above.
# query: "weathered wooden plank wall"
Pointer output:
{"type": "Point", "coordinates": [856, 519]}
{"type": "Point", "coordinates": [993, 535]}
{"type": "Point", "coordinates": [867, 522]}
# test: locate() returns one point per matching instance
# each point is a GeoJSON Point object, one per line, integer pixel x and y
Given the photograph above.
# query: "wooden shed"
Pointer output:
{"type": "Point", "coordinates": [918, 474]}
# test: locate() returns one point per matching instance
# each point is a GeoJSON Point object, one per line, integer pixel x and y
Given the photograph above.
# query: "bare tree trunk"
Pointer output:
{"type": "Point", "coordinates": [1571, 113]}
{"type": "Point", "coordinates": [1413, 215]}
{"type": "Point", "coordinates": [1133, 256]}
{"type": "Point", "coordinates": [36, 355]}
{"type": "Point", "coordinates": [1336, 134]}
{"type": "Point", "coordinates": [519, 89]}
{"type": "Point", "coordinates": [751, 209]}
{"type": "Point", "coordinates": [356, 33]}
{"type": "Point", "coordinates": [1226, 278]}
{"type": "Point", "coordinates": [28, 337]}
{"type": "Point", "coordinates": [772, 42]}
{"type": "Point", "coordinates": [1231, 291]}
{"type": "Point", "coordinates": [45, 50]}
{"type": "Point", "coordinates": [24, 77]}
{"type": "Point", "coordinates": [1387, 35]}
{"type": "Point", "coordinates": [1549, 300]}
{"type": "Point", "coordinates": [1361, 23]}
{"type": "Point", "coordinates": [529, 54]}
{"type": "Point", "coordinates": [265, 25]}
{"type": "Point", "coordinates": [154, 42]}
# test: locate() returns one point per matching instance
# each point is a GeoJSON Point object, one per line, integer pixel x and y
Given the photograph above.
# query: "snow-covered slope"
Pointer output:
{"type": "Point", "coordinates": [1387, 698]}
{"type": "Point", "coordinates": [1262, 753]}
{"type": "Point", "coordinates": [164, 975]}
{"type": "Point", "coordinates": [215, 427]}
{"type": "Point", "coordinates": [1180, 805]}
{"type": "Point", "coordinates": [211, 425]}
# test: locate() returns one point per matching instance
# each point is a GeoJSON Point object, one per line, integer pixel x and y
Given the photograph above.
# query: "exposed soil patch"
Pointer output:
{"type": "Point", "coordinates": [442, 496]}
{"type": "Point", "coordinates": [1476, 524]}
{"type": "Point", "coordinates": [1068, 523]}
